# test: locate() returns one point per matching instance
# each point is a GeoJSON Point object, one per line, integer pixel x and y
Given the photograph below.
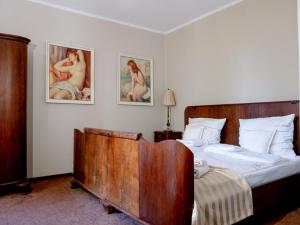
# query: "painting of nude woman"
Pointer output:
{"type": "Point", "coordinates": [135, 80]}
{"type": "Point", "coordinates": [70, 74]}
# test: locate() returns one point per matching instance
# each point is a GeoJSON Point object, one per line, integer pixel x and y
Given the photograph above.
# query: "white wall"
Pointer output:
{"type": "Point", "coordinates": [246, 53]}
{"type": "Point", "coordinates": [51, 125]}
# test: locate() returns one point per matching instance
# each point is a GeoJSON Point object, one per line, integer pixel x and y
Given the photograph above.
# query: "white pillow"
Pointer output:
{"type": "Point", "coordinates": [282, 143]}
{"type": "Point", "coordinates": [256, 140]}
{"type": "Point", "coordinates": [209, 122]}
{"type": "Point", "coordinates": [193, 132]}
{"type": "Point", "coordinates": [211, 129]}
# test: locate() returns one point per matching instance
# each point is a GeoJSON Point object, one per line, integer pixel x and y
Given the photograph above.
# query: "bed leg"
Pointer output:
{"type": "Point", "coordinates": [24, 187]}
{"type": "Point", "coordinates": [108, 208]}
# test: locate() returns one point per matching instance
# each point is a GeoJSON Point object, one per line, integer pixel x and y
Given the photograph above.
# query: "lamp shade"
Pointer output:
{"type": "Point", "coordinates": [169, 98]}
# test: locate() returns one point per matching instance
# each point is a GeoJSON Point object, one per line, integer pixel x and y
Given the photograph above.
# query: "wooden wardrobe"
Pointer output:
{"type": "Point", "coordinates": [13, 80]}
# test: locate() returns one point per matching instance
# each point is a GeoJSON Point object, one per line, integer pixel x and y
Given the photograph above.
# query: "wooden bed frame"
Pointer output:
{"type": "Point", "coordinates": [284, 191]}
{"type": "Point", "coordinates": [153, 183]}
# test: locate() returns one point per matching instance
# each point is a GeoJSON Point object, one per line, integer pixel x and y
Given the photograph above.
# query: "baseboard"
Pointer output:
{"type": "Point", "coordinates": [33, 179]}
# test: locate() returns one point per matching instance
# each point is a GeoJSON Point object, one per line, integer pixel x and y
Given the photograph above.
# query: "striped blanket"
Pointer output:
{"type": "Point", "coordinates": [222, 197]}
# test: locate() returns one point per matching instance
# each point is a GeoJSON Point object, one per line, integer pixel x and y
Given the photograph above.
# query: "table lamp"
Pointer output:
{"type": "Point", "coordinates": [169, 100]}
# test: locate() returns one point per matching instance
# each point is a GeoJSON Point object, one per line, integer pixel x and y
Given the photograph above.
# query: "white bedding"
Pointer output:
{"type": "Point", "coordinates": [242, 154]}
{"type": "Point", "coordinates": [256, 172]}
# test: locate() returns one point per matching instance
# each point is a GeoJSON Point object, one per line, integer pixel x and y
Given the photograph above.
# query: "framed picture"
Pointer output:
{"type": "Point", "coordinates": [135, 80]}
{"type": "Point", "coordinates": [70, 74]}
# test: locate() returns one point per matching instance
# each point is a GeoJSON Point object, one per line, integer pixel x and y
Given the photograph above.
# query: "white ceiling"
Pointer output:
{"type": "Point", "coordinates": [162, 16]}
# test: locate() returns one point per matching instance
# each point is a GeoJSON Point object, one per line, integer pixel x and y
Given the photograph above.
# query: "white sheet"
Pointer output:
{"type": "Point", "coordinates": [256, 173]}
{"type": "Point", "coordinates": [242, 153]}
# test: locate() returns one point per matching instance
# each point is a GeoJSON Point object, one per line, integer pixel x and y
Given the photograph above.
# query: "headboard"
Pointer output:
{"type": "Point", "coordinates": [234, 112]}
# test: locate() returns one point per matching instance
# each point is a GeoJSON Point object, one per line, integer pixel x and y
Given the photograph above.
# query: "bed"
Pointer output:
{"type": "Point", "coordinates": [286, 189]}
{"type": "Point", "coordinates": [154, 183]}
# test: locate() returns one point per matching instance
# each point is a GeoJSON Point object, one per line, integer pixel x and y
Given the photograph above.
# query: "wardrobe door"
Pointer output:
{"type": "Point", "coordinates": [13, 79]}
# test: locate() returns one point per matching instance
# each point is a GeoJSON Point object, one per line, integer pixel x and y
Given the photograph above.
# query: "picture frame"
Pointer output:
{"type": "Point", "coordinates": [69, 74]}
{"type": "Point", "coordinates": [137, 71]}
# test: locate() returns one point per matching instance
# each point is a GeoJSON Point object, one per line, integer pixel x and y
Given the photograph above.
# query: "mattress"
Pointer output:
{"type": "Point", "coordinates": [256, 173]}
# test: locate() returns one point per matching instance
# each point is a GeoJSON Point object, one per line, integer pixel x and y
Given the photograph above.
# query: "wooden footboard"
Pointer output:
{"type": "Point", "coordinates": [150, 182]}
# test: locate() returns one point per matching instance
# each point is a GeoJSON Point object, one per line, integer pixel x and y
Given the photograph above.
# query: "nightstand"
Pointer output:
{"type": "Point", "coordinates": [167, 135]}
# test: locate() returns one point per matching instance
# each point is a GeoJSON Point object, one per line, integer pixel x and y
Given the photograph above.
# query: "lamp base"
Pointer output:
{"type": "Point", "coordinates": [168, 126]}
{"type": "Point", "coordinates": [168, 121]}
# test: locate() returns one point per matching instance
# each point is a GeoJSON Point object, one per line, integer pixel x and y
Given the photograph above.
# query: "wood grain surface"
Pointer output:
{"type": "Point", "coordinates": [13, 80]}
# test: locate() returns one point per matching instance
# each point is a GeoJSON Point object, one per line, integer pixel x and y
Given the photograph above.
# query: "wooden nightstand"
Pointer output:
{"type": "Point", "coordinates": [167, 135]}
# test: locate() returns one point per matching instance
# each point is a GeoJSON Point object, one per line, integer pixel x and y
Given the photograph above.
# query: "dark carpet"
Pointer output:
{"type": "Point", "coordinates": [53, 202]}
